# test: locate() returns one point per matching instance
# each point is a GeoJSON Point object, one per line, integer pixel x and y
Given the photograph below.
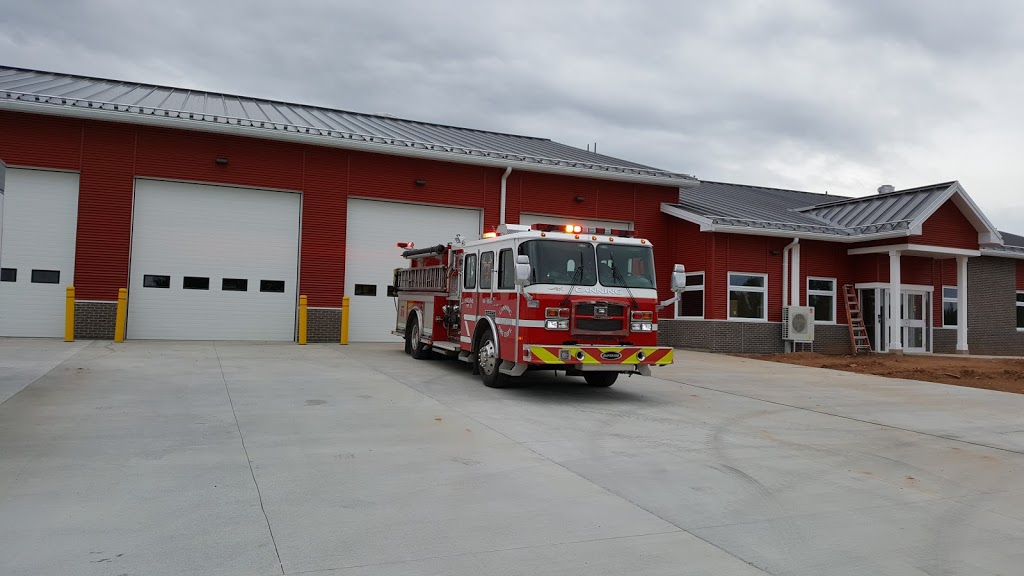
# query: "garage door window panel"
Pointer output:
{"type": "Point", "coordinates": [469, 282]}
{"type": "Point", "coordinates": [46, 276]}
{"type": "Point", "coordinates": [821, 295]}
{"type": "Point", "coordinates": [691, 301]}
{"type": "Point", "coordinates": [195, 283]}
{"type": "Point", "coordinates": [748, 296]}
{"type": "Point", "coordinates": [275, 286]}
{"type": "Point", "coordinates": [234, 285]}
{"type": "Point", "coordinates": [8, 274]}
{"type": "Point", "coordinates": [365, 290]}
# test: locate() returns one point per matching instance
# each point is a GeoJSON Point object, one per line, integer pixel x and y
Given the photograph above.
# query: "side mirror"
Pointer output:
{"type": "Point", "coordinates": [523, 270]}
{"type": "Point", "coordinates": [678, 283]}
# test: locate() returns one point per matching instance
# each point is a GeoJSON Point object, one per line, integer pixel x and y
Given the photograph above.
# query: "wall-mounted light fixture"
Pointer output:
{"type": "Point", "coordinates": [580, 198]}
{"type": "Point", "coordinates": [419, 182]}
{"type": "Point", "coordinates": [221, 161]}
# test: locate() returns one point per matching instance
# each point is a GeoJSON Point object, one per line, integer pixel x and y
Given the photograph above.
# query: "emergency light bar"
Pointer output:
{"type": "Point", "coordinates": [577, 229]}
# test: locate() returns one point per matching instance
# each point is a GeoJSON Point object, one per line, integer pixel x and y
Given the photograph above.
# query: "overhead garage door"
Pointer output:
{"type": "Point", "coordinates": [37, 251]}
{"type": "Point", "coordinates": [374, 227]}
{"type": "Point", "coordinates": [527, 219]}
{"type": "Point", "coordinates": [212, 263]}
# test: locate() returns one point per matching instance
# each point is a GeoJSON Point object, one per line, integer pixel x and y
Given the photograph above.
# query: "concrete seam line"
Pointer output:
{"type": "Point", "coordinates": [58, 365]}
{"type": "Point", "coordinates": [851, 418]}
{"type": "Point", "coordinates": [578, 475]}
{"type": "Point", "coordinates": [248, 462]}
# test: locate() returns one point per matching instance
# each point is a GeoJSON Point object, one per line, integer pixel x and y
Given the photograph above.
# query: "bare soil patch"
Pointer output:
{"type": "Point", "coordinates": [1004, 374]}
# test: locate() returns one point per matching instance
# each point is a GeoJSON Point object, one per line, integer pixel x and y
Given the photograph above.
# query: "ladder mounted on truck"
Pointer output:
{"type": "Point", "coordinates": [858, 333]}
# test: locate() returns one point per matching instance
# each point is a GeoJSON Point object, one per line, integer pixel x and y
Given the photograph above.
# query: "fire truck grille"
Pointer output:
{"type": "Point", "coordinates": [599, 324]}
{"type": "Point", "coordinates": [611, 310]}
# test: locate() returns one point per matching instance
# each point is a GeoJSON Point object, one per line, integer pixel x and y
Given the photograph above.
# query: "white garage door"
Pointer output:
{"type": "Point", "coordinates": [37, 251]}
{"type": "Point", "coordinates": [212, 263]}
{"type": "Point", "coordinates": [374, 227]}
{"type": "Point", "coordinates": [527, 219]}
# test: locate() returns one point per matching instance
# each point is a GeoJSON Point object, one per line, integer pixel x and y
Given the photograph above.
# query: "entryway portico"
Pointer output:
{"type": "Point", "coordinates": [906, 327]}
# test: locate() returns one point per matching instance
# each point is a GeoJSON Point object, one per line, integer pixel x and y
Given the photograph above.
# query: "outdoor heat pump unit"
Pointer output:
{"type": "Point", "coordinates": [798, 324]}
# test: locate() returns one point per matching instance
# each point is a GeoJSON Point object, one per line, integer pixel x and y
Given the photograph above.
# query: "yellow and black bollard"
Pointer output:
{"type": "Point", "coordinates": [303, 309]}
{"type": "Point", "coordinates": [344, 320]}
{"type": "Point", "coordinates": [122, 314]}
{"type": "Point", "coordinates": [69, 315]}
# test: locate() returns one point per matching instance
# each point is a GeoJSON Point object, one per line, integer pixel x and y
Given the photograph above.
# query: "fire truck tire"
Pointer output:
{"type": "Point", "coordinates": [413, 346]}
{"type": "Point", "coordinates": [489, 362]}
{"type": "Point", "coordinates": [600, 379]}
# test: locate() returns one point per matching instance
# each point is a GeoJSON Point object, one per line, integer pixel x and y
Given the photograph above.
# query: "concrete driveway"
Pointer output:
{"type": "Point", "coordinates": [153, 458]}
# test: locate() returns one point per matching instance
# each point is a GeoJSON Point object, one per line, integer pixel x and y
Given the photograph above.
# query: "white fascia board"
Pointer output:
{"type": "Point", "coordinates": [913, 248]}
{"type": "Point", "coordinates": [706, 225]}
{"type": "Point", "coordinates": [810, 235]}
{"type": "Point", "coordinates": [317, 140]}
{"type": "Point", "coordinates": [1002, 254]}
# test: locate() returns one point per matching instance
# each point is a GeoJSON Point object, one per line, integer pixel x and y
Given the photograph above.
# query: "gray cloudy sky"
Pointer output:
{"type": "Point", "coordinates": [808, 94]}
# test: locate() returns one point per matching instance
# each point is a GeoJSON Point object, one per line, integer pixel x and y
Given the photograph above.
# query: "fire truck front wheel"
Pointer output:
{"type": "Point", "coordinates": [413, 346]}
{"type": "Point", "coordinates": [600, 379]}
{"type": "Point", "coordinates": [489, 362]}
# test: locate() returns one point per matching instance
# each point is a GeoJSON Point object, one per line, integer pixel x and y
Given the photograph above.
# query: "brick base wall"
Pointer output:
{"type": "Point", "coordinates": [992, 307]}
{"type": "Point", "coordinates": [944, 339]}
{"type": "Point", "coordinates": [323, 324]}
{"type": "Point", "coordinates": [746, 337]}
{"type": "Point", "coordinates": [95, 320]}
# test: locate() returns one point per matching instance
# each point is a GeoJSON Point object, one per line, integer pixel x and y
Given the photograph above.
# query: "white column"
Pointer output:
{"type": "Point", "coordinates": [894, 305]}
{"type": "Point", "coordinates": [961, 305]}
{"type": "Point", "coordinates": [794, 299]}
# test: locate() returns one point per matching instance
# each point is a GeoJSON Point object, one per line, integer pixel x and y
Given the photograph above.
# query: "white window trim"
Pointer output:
{"type": "Point", "coordinates": [730, 288]}
{"type": "Point", "coordinates": [1019, 304]}
{"type": "Point", "coordinates": [953, 300]}
{"type": "Point", "coordinates": [703, 299]}
{"type": "Point", "coordinates": [833, 294]}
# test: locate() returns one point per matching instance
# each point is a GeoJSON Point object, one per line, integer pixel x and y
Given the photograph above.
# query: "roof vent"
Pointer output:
{"type": "Point", "coordinates": [886, 188]}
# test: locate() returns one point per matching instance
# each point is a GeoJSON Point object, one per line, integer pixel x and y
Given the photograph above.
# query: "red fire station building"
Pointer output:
{"type": "Point", "coordinates": [217, 211]}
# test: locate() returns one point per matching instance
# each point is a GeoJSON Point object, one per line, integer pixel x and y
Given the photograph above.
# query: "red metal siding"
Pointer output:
{"type": "Point", "coordinates": [1020, 276]}
{"type": "Point", "coordinates": [741, 253]}
{"type": "Point", "coordinates": [109, 157]}
{"type": "Point", "coordinates": [104, 211]}
{"type": "Point", "coordinates": [916, 270]}
{"type": "Point", "coordinates": [40, 141]}
{"type": "Point", "coordinates": [826, 260]}
{"type": "Point", "coordinates": [948, 227]}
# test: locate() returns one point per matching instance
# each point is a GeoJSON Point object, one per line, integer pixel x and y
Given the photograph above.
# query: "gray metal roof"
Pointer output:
{"type": "Point", "coordinates": [1012, 239]}
{"type": "Point", "coordinates": [756, 207]}
{"type": "Point", "coordinates": [126, 100]}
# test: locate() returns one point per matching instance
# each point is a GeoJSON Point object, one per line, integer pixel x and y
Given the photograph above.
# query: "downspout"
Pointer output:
{"type": "Point", "coordinates": [504, 177]}
{"type": "Point", "coordinates": [785, 271]}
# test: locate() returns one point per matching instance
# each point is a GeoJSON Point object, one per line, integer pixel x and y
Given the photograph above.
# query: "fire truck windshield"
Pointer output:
{"type": "Point", "coordinates": [556, 262]}
{"type": "Point", "coordinates": [619, 265]}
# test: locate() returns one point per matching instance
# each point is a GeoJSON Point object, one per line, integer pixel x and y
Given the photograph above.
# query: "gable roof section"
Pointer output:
{"type": "Point", "coordinates": [771, 211]}
{"type": "Point", "coordinates": [71, 95]}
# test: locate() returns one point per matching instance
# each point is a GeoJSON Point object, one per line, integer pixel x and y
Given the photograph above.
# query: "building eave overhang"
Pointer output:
{"type": "Point", "coordinates": [910, 249]}
{"type": "Point", "coordinates": [336, 139]}
{"type": "Point", "coordinates": [1001, 253]}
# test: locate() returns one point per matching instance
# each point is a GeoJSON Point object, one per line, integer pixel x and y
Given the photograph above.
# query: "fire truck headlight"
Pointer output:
{"type": "Point", "coordinates": [556, 324]}
{"type": "Point", "coordinates": [641, 326]}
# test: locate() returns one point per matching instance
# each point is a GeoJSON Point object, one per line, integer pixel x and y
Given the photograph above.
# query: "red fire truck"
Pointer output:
{"type": "Point", "coordinates": [546, 296]}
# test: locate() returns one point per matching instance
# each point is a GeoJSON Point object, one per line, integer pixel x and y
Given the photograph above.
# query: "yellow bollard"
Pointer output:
{"type": "Point", "coordinates": [69, 314]}
{"type": "Point", "coordinates": [302, 319]}
{"type": "Point", "coordinates": [344, 320]}
{"type": "Point", "coordinates": [122, 314]}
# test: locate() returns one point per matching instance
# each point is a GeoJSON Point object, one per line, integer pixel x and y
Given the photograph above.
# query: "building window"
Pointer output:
{"type": "Point", "coordinates": [1020, 310]}
{"type": "Point", "coordinates": [195, 283]}
{"type": "Point", "coordinates": [748, 296]}
{"type": "Point", "coordinates": [821, 295]}
{"type": "Point", "coordinates": [8, 274]}
{"type": "Point", "coordinates": [691, 302]}
{"type": "Point", "coordinates": [486, 269]}
{"type": "Point", "coordinates": [156, 281]}
{"type": "Point", "coordinates": [272, 286]}
{"type": "Point", "coordinates": [949, 307]}
{"type": "Point", "coordinates": [506, 270]}
{"type": "Point", "coordinates": [470, 272]}
{"type": "Point", "coordinates": [234, 285]}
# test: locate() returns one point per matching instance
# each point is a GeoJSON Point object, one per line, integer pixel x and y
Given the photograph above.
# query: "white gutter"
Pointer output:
{"type": "Point", "coordinates": [322, 140]}
{"type": "Point", "coordinates": [785, 271]}
{"type": "Point", "coordinates": [504, 177]}
{"type": "Point", "coordinates": [794, 299]}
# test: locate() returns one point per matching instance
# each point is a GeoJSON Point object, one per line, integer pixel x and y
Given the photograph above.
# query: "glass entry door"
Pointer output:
{"type": "Point", "coordinates": [915, 321]}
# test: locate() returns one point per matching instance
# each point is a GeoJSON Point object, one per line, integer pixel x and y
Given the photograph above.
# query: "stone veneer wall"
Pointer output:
{"type": "Point", "coordinates": [95, 320]}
